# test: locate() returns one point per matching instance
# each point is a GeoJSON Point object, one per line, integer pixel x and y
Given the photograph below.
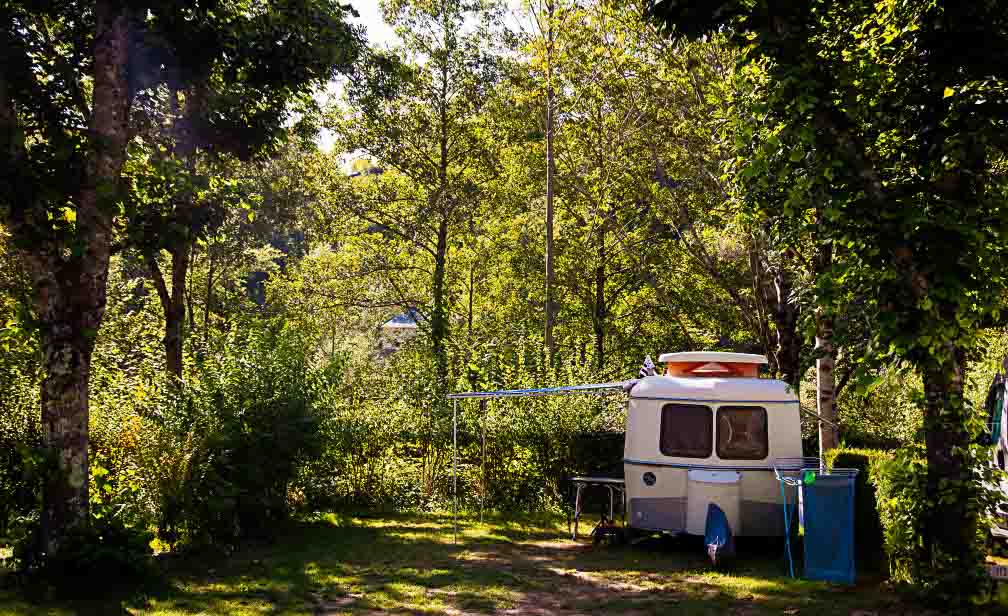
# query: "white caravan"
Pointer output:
{"type": "Point", "coordinates": [707, 431]}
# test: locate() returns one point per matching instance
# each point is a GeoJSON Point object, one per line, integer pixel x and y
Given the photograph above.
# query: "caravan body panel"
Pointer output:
{"type": "Point", "coordinates": [694, 441]}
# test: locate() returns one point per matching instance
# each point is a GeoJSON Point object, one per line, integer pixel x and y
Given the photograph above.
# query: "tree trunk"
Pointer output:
{"type": "Point", "coordinates": [829, 436]}
{"type": "Point", "coordinates": [950, 524]}
{"type": "Point", "coordinates": [469, 315]}
{"type": "Point", "coordinates": [785, 320]}
{"type": "Point", "coordinates": [71, 292]}
{"type": "Point", "coordinates": [439, 316]}
{"type": "Point", "coordinates": [190, 309]}
{"type": "Point", "coordinates": [66, 356]}
{"type": "Point", "coordinates": [209, 297]}
{"type": "Point", "coordinates": [550, 177]}
{"type": "Point", "coordinates": [173, 302]}
{"type": "Point", "coordinates": [772, 284]}
{"type": "Point", "coordinates": [599, 314]}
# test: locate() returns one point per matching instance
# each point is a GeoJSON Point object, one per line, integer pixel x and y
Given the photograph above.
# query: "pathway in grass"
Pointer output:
{"type": "Point", "coordinates": [409, 565]}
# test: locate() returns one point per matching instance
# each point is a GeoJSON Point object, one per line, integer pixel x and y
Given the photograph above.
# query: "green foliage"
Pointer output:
{"type": "Point", "coordinates": [531, 443]}
{"type": "Point", "coordinates": [868, 128]}
{"type": "Point", "coordinates": [697, 186]}
{"type": "Point", "coordinates": [19, 483]}
{"type": "Point", "coordinates": [899, 484]}
{"type": "Point", "coordinates": [221, 454]}
{"type": "Point", "coordinates": [104, 549]}
{"type": "Point", "coordinates": [386, 445]}
{"type": "Point", "coordinates": [900, 487]}
{"type": "Point", "coordinates": [869, 545]}
{"type": "Point", "coordinates": [886, 413]}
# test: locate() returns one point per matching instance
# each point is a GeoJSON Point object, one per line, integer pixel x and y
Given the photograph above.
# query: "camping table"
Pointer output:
{"type": "Point", "coordinates": [613, 485]}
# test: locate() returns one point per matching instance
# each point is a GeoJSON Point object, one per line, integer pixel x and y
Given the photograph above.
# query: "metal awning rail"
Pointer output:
{"type": "Point", "coordinates": [593, 388]}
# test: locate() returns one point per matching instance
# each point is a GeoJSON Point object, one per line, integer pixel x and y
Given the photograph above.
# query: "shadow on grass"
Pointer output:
{"type": "Point", "coordinates": [340, 563]}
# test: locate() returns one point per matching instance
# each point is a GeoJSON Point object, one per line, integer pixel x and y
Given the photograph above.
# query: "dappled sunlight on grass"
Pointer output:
{"type": "Point", "coordinates": [341, 564]}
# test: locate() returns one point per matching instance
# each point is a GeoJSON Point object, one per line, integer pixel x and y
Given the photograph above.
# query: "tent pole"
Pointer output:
{"type": "Point", "coordinates": [455, 469]}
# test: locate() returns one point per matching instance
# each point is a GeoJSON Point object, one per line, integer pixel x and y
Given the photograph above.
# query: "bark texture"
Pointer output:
{"type": "Point", "coordinates": [70, 290]}
{"type": "Point", "coordinates": [829, 436]}
{"type": "Point", "coordinates": [789, 341]}
{"type": "Point", "coordinates": [173, 302]}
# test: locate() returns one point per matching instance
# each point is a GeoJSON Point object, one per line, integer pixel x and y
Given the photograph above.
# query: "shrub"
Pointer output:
{"type": "Point", "coordinates": [900, 483]}
{"type": "Point", "coordinates": [224, 449]}
{"type": "Point", "coordinates": [20, 446]}
{"type": "Point", "coordinates": [19, 484]}
{"type": "Point", "coordinates": [105, 549]}
{"type": "Point", "coordinates": [112, 544]}
{"type": "Point", "coordinates": [869, 544]}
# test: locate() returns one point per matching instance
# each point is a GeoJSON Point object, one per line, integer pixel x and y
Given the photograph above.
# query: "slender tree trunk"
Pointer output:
{"type": "Point", "coordinates": [829, 437]}
{"type": "Point", "coordinates": [189, 291]}
{"type": "Point", "coordinates": [469, 317]}
{"type": "Point", "coordinates": [209, 297]}
{"type": "Point", "coordinates": [439, 316]}
{"type": "Point", "coordinates": [599, 315]}
{"type": "Point", "coordinates": [71, 292]}
{"type": "Point", "coordinates": [550, 178]}
{"type": "Point", "coordinates": [789, 341]}
{"type": "Point", "coordinates": [173, 302]}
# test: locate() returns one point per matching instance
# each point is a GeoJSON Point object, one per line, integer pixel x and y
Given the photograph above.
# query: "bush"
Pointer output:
{"type": "Point", "coordinates": [20, 447]}
{"type": "Point", "coordinates": [869, 546]}
{"type": "Point", "coordinates": [901, 482]}
{"type": "Point", "coordinates": [223, 450]}
{"type": "Point", "coordinates": [19, 483]}
{"type": "Point", "coordinates": [111, 545]}
{"type": "Point", "coordinates": [105, 549]}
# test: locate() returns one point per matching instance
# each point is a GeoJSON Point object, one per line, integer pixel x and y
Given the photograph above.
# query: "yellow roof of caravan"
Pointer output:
{"type": "Point", "coordinates": [713, 389]}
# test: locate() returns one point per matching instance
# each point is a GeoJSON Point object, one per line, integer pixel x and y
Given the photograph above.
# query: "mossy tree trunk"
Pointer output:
{"type": "Point", "coordinates": [70, 285]}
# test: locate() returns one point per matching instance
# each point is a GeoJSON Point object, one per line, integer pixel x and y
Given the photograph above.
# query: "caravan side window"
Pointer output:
{"type": "Point", "coordinates": [686, 431]}
{"type": "Point", "coordinates": [742, 433]}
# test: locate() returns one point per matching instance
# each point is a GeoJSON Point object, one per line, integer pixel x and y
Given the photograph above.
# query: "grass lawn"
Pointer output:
{"type": "Point", "coordinates": [408, 564]}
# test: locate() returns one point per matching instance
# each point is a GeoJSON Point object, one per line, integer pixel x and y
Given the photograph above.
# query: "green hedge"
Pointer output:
{"type": "Point", "coordinates": [869, 545]}
{"type": "Point", "coordinates": [899, 486]}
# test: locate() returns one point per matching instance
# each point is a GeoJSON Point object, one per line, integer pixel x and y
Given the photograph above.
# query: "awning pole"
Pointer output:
{"type": "Point", "coordinates": [483, 408]}
{"type": "Point", "coordinates": [455, 469]}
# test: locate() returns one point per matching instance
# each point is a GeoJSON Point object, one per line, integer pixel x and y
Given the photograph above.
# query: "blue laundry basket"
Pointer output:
{"type": "Point", "coordinates": [828, 502]}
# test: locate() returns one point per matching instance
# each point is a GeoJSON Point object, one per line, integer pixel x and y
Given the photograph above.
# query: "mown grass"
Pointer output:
{"type": "Point", "coordinates": [409, 564]}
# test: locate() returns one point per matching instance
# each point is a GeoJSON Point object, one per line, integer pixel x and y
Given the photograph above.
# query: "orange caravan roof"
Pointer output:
{"type": "Point", "coordinates": [712, 364]}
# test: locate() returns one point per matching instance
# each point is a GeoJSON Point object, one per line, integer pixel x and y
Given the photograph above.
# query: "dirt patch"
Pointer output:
{"type": "Point", "coordinates": [327, 603]}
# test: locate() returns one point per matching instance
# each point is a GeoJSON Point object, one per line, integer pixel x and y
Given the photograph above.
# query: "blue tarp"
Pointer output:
{"type": "Point", "coordinates": [718, 535]}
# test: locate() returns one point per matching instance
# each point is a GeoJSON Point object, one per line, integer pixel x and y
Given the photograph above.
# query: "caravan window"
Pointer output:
{"type": "Point", "coordinates": [742, 433]}
{"type": "Point", "coordinates": [686, 431]}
